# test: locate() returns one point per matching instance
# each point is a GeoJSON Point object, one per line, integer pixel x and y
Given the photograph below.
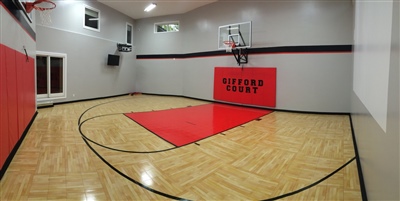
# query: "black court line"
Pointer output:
{"type": "Point", "coordinates": [114, 149]}
{"type": "Point", "coordinates": [359, 169]}
{"type": "Point", "coordinates": [152, 131]}
{"type": "Point", "coordinates": [311, 185]}
{"type": "Point", "coordinates": [179, 198]}
{"type": "Point", "coordinates": [130, 179]}
{"type": "Point", "coordinates": [87, 110]}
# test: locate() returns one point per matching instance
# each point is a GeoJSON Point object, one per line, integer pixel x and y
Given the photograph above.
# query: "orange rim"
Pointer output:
{"type": "Point", "coordinates": [29, 6]}
{"type": "Point", "coordinates": [230, 44]}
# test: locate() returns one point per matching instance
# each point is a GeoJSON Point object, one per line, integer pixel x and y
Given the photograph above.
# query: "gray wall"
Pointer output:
{"type": "Point", "coordinates": [379, 150]}
{"type": "Point", "coordinates": [13, 35]}
{"type": "Point", "coordinates": [305, 82]}
{"type": "Point", "coordinates": [159, 76]}
{"type": "Point", "coordinates": [88, 76]}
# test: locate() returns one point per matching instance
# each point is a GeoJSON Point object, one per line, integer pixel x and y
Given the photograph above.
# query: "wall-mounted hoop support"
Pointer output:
{"type": "Point", "coordinates": [241, 55]}
{"type": "Point", "coordinates": [124, 47]}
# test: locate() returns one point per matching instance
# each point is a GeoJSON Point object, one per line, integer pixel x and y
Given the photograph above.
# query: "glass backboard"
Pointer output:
{"type": "Point", "coordinates": [239, 33]}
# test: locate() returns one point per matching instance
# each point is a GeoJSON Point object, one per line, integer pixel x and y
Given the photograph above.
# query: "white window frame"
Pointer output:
{"type": "Point", "coordinates": [164, 23]}
{"type": "Point", "coordinates": [49, 96]}
{"type": "Point", "coordinates": [126, 33]}
{"type": "Point", "coordinates": [98, 19]}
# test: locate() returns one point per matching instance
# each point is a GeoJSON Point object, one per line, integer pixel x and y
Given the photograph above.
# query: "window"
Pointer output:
{"type": "Point", "coordinates": [91, 19]}
{"type": "Point", "coordinates": [50, 75]}
{"type": "Point", "coordinates": [166, 27]}
{"type": "Point", "coordinates": [128, 34]}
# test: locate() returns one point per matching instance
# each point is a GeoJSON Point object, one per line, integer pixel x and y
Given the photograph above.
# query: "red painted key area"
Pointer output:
{"type": "Point", "coordinates": [183, 126]}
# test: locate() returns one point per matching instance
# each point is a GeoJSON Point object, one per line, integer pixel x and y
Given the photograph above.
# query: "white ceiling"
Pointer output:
{"type": "Point", "coordinates": [135, 8]}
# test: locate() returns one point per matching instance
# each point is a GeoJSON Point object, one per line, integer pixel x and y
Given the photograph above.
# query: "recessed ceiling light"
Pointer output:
{"type": "Point", "coordinates": [150, 7]}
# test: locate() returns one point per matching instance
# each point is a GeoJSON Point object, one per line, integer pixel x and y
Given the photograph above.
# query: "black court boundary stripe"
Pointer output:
{"type": "Point", "coordinates": [311, 49]}
{"type": "Point", "coordinates": [359, 169]}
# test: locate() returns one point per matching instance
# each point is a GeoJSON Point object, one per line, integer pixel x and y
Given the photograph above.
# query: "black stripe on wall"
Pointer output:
{"type": "Point", "coordinates": [19, 16]}
{"type": "Point", "coordinates": [261, 50]}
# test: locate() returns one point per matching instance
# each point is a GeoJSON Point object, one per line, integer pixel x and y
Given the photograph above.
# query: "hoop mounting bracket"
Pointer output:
{"type": "Point", "coordinates": [241, 55]}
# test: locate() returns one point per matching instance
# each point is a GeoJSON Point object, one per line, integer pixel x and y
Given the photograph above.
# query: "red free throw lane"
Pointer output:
{"type": "Point", "coordinates": [187, 125]}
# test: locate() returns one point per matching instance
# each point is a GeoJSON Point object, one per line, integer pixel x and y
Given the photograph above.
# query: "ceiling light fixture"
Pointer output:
{"type": "Point", "coordinates": [150, 7]}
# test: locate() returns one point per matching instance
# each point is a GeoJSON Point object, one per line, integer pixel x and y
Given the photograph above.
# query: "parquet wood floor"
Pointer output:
{"type": "Point", "coordinates": [120, 160]}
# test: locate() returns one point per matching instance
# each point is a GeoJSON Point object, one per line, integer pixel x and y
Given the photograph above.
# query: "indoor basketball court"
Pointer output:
{"type": "Point", "coordinates": [262, 155]}
{"type": "Point", "coordinates": [216, 100]}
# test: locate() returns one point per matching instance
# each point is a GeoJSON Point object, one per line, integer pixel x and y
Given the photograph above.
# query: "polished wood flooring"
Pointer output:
{"type": "Point", "coordinates": [90, 151]}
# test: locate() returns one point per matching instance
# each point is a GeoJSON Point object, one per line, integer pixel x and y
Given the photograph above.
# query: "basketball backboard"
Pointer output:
{"type": "Point", "coordinates": [21, 6]}
{"type": "Point", "coordinates": [239, 33]}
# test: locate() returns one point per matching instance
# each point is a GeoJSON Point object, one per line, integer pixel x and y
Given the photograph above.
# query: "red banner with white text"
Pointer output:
{"type": "Point", "coordinates": [253, 86]}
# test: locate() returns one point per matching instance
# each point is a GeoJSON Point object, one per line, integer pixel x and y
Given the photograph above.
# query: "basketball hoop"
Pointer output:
{"type": "Point", "coordinates": [229, 45]}
{"type": "Point", "coordinates": [45, 6]}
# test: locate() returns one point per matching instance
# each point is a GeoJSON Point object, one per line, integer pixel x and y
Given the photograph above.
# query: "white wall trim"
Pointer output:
{"type": "Point", "coordinates": [98, 19]}
{"type": "Point", "coordinates": [126, 31]}
{"type": "Point", "coordinates": [88, 35]}
{"type": "Point", "coordinates": [40, 98]}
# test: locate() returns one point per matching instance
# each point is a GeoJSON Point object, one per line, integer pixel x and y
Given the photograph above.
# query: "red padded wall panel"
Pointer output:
{"type": "Point", "coordinates": [17, 98]}
{"type": "Point", "coordinates": [249, 85]}
{"type": "Point", "coordinates": [29, 91]}
{"type": "Point", "coordinates": [20, 70]}
{"type": "Point", "coordinates": [26, 90]}
{"type": "Point", "coordinates": [12, 99]}
{"type": "Point", "coordinates": [4, 144]}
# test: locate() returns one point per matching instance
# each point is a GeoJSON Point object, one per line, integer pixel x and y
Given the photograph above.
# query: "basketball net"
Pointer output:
{"type": "Point", "coordinates": [45, 7]}
{"type": "Point", "coordinates": [45, 17]}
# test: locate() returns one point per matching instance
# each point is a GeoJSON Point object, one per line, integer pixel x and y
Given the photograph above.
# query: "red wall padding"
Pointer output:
{"type": "Point", "coordinates": [29, 89]}
{"type": "Point", "coordinates": [20, 67]}
{"type": "Point", "coordinates": [11, 93]}
{"type": "Point", "coordinates": [253, 86]}
{"type": "Point", "coordinates": [4, 144]}
{"type": "Point", "coordinates": [18, 97]}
